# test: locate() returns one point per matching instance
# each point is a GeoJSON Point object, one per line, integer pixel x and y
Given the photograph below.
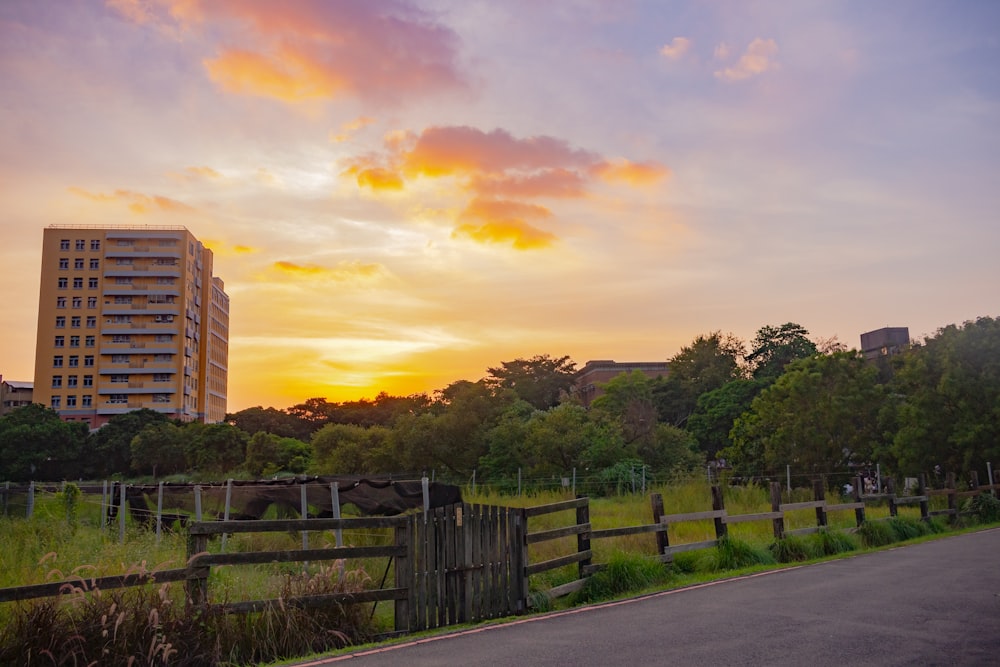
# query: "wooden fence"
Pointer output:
{"type": "Point", "coordinates": [466, 563]}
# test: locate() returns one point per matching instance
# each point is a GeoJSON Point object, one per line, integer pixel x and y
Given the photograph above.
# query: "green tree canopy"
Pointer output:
{"type": "Point", "coordinates": [820, 415]}
{"type": "Point", "coordinates": [541, 380]}
{"type": "Point", "coordinates": [709, 362]}
{"type": "Point", "coordinates": [112, 443]}
{"type": "Point", "coordinates": [36, 444]}
{"type": "Point", "coordinates": [775, 347]}
{"type": "Point", "coordinates": [158, 449]}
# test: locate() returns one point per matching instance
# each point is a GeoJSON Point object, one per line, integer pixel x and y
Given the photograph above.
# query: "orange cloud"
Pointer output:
{"type": "Point", "coordinates": [286, 75]}
{"type": "Point", "coordinates": [137, 202]}
{"type": "Point", "coordinates": [517, 233]}
{"type": "Point", "coordinates": [632, 173]}
{"type": "Point", "coordinates": [344, 271]}
{"type": "Point", "coordinates": [377, 178]}
{"type": "Point", "coordinates": [441, 151]}
{"type": "Point", "coordinates": [677, 47]}
{"type": "Point", "coordinates": [384, 51]}
{"type": "Point", "coordinates": [757, 59]}
{"type": "Point", "coordinates": [492, 209]}
{"type": "Point", "coordinates": [349, 128]}
{"type": "Point", "coordinates": [546, 183]}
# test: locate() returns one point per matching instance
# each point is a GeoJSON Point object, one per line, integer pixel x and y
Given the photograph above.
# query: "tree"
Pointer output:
{"type": "Point", "coordinates": [269, 420]}
{"type": "Point", "coordinates": [315, 412]}
{"type": "Point", "coordinates": [344, 449]}
{"type": "Point", "coordinates": [717, 410]}
{"type": "Point", "coordinates": [946, 400]}
{"type": "Point", "coordinates": [215, 448]}
{"type": "Point", "coordinates": [820, 415]}
{"type": "Point", "coordinates": [268, 453]}
{"type": "Point", "coordinates": [36, 444]}
{"type": "Point", "coordinates": [775, 347]}
{"type": "Point", "coordinates": [708, 363]}
{"type": "Point", "coordinates": [541, 380]}
{"type": "Point", "coordinates": [112, 443]}
{"type": "Point", "coordinates": [158, 449]}
{"type": "Point", "coordinates": [628, 399]}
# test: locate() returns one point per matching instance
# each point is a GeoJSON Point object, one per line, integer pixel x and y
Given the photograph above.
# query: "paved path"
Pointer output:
{"type": "Point", "coordinates": [936, 603]}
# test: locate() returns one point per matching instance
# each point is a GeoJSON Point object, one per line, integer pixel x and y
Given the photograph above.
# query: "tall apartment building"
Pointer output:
{"type": "Point", "coordinates": [130, 317]}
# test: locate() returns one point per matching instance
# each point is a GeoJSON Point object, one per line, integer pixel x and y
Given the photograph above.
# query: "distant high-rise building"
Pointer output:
{"type": "Point", "coordinates": [884, 342]}
{"type": "Point", "coordinates": [130, 317]}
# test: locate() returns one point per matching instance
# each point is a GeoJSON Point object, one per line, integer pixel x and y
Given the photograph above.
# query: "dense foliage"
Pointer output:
{"type": "Point", "coordinates": [787, 402]}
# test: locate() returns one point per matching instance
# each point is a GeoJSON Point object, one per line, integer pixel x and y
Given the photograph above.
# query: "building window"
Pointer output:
{"type": "Point", "coordinates": [165, 261]}
{"type": "Point", "coordinates": [74, 360]}
{"type": "Point", "coordinates": [92, 283]}
{"type": "Point", "coordinates": [88, 360]}
{"type": "Point", "coordinates": [78, 264]}
{"type": "Point", "coordinates": [95, 264]}
{"type": "Point", "coordinates": [60, 341]}
{"type": "Point", "coordinates": [60, 322]}
{"type": "Point", "coordinates": [62, 283]}
{"type": "Point", "coordinates": [161, 377]}
{"type": "Point", "coordinates": [162, 357]}
{"type": "Point", "coordinates": [163, 338]}
{"type": "Point", "coordinates": [164, 280]}
{"type": "Point", "coordinates": [161, 298]}
{"type": "Point", "coordinates": [74, 322]}
{"type": "Point", "coordinates": [119, 358]}
{"type": "Point", "coordinates": [77, 302]}
{"type": "Point", "coordinates": [56, 402]}
{"type": "Point", "coordinates": [123, 281]}
{"type": "Point", "coordinates": [121, 338]}
{"type": "Point", "coordinates": [71, 380]}
{"type": "Point", "coordinates": [95, 245]}
{"type": "Point", "coordinates": [56, 381]}
{"type": "Point", "coordinates": [119, 378]}
{"type": "Point", "coordinates": [81, 244]}
{"type": "Point", "coordinates": [88, 380]}
{"type": "Point", "coordinates": [64, 244]}
{"type": "Point", "coordinates": [124, 261]}
{"type": "Point", "coordinates": [71, 401]}
{"type": "Point", "coordinates": [91, 321]}
{"type": "Point", "coordinates": [161, 398]}
{"type": "Point", "coordinates": [60, 302]}
{"type": "Point", "coordinates": [163, 319]}
{"type": "Point", "coordinates": [123, 299]}
{"type": "Point", "coordinates": [91, 302]}
{"type": "Point", "coordinates": [90, 341]}
{"type": "Point", "coordinates": [87, 401]}
{"type": "Point", "coordinates": [77, 283]}
{"type": "Point", "coordinates": [118, 399]}
{"type": "Point", "coordinates": [64, 263]}
{"type": "Point", "coordinates": [74, 341]}
{"type": "Point", "coordinates": [57, 361]}
{"type": "Point", "coordinates": [120, 319]}
{"type": "Point", "coordinates": [125, 243]}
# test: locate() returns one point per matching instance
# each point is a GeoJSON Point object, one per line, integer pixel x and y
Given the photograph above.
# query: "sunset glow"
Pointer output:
{"type": "Point", "coordinates": [401, 194]}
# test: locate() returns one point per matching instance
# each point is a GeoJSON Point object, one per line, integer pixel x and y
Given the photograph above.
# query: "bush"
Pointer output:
{"type": "Point", "coordinates": [733, 554]}
{"type": "Point", "coordinates": [876, 533]}
{"type": "Point", "coordinates": [985, 507]}
{"type": "Point", "coordinates": [832, 542]}
{"type": "Point", "coordinates": [625, 573]}
{"type": "Point", "coordinates": [792, 549]}
{"type": "Point", "coordinates": [906, 528]}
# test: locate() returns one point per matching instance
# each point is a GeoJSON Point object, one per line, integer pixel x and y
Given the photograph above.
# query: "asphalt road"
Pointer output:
{"type": "Point", "coordinates": [936, 603]}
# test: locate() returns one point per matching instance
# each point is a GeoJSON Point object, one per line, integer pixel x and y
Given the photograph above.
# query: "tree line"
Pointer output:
{"type": "Point", "coordinates": [783, 399]}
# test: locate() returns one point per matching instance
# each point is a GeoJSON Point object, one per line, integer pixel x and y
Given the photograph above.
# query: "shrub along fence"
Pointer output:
{"type": "Point", "coordinates": [467, 563]}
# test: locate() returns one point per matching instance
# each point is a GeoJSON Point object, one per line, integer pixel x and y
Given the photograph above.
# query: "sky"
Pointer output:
{"type": "Point", "coordinates": [405, 193]}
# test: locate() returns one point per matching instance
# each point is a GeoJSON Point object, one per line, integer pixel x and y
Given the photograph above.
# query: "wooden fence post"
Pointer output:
{"type": "Point", "coordinates": [583, 539]}
{"type": "Point", "coordinates": [779, 523]}
{"type": "Point", "coordinates": [121, 514]}
{"type": "Point", "coordinates": [405, 609]}
{"type": "Point", "coordinates": [662, 541]}
{"type": "Point", "coordinates": [859, 512]}
{"type": "Point", "coordinates": [819, 494]}
{"type": "Point", "coordinates": [925, 506]}
{"type": "Point", "coordinates": [973, 481]}
{"type": "Point", "coordinates": [718, 504]}
{"type": "Point", "coordinates": [30, 509]}
{"type": "Point", "coordinates": [197, 577]}
{"type": "Point", "coordinates": [890, 489]}
{"type": "Point", "coordinates": [949, 483]}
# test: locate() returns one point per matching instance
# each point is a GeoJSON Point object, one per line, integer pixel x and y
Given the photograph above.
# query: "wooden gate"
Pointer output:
{"type": "Point", "coordinates": [467, 564]}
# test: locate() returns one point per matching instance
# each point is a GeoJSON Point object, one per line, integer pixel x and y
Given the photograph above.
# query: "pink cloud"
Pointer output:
{"type": "Point", "coordinates": [757, 59]}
